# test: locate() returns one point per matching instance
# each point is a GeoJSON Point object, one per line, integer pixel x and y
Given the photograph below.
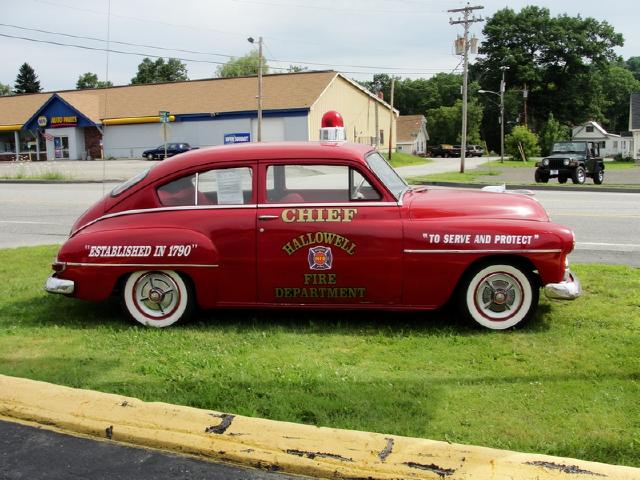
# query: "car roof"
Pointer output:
{"type": "Point", "coordinates": [260, 152]}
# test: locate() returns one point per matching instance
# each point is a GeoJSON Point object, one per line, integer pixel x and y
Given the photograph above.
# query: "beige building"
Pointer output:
{"type": "Point", "coordinates": [126, 120]}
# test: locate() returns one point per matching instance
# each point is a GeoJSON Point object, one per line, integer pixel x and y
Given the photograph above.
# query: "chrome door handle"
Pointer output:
{"type": "Point", "coordinates": [268, 217]}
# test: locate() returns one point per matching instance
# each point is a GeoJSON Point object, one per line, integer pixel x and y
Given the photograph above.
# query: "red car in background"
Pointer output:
{"type": "Point", "coordinates": [310, 225]}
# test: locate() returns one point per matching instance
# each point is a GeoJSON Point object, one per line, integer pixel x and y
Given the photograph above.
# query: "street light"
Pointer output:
{"type": "Point", "coordinates": [501, 95]}
{"type": "Point", "coordinates": [251, 40]}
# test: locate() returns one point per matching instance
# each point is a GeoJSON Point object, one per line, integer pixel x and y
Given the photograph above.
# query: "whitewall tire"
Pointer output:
{"type": "Point", "coordinates": [157, 298]}
{"type": "Point", "coordinates": [498, 296]}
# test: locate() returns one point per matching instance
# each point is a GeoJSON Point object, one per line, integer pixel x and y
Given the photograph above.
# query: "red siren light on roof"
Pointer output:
{"type": "Point", "coordinates": [332, 127]}
{"type": "Point", "coordinates": [332, 119]}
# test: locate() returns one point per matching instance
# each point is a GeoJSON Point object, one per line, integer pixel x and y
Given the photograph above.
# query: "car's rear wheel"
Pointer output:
{"type": "Point", "coordinates": [598, 176]}
{"type": "Point", "coordinates": [579, 175]}
{"type": "Point", "coordinates": [541, 176]}
{"type": "Point", "coordinates": [157, 298]}
{"type": "Point", "coordinates": [498, 295]}
{"type": "Point", "coordinates": [149, 156]}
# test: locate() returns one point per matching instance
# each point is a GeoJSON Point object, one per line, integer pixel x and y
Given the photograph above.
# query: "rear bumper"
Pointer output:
{"type": "Point", "coordinates": [568, 289]}
{"type": "Point", "coordinates": [58, 285]}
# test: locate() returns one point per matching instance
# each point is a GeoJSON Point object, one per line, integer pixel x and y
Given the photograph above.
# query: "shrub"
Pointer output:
{"type": "Point", "coordinates": [525, 137]}
{"type": "Point", "coordinates": [552, 132]}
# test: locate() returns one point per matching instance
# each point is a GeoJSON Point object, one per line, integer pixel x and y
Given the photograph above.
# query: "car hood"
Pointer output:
{"type": "Point", "coordinates": [570, 156]}
{"type": "Point", "coordinates": [449, 203]}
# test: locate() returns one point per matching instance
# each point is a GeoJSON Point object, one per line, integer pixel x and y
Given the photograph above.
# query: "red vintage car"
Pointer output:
{"type": "Point", "coordinates": [310, 225]}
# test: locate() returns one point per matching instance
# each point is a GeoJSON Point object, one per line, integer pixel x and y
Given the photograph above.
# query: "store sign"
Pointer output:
{"type": "Point", "coordinates": [70, 121]}
{"type": "Point", "coordinates": [237, 138]}
{"type": "Point", "coordinates": [42, 121]}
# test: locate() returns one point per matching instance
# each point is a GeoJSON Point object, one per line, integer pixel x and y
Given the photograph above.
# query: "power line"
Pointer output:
{"type": "Point", "coordinates": [415, 71]}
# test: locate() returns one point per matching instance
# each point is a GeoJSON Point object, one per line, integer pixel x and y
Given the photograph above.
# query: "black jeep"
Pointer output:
{"type": "Point", "coordinates": [576, 160]}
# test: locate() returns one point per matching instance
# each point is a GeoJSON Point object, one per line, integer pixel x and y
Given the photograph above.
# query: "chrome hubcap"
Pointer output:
{"type": "Point", "coordinates": [499, 296]}
{"type": "Point", "coordinates": [156, 295]}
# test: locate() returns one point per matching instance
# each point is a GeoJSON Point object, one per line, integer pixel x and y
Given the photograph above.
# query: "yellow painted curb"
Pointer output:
{"type": "Point", "coordinates": [287, 447]}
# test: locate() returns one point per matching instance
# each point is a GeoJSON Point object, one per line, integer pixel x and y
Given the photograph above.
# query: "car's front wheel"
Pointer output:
{"type": "Point", "coordinates": [541, 176]}
{"type": "Point", "coordinates": [498, 295]}
{"type": "Point", "coordinates": [157, 298]}
{"type": "Point", "coordinates": [149, 156]}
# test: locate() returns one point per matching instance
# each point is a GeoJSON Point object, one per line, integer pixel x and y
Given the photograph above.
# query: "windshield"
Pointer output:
{"type": "Point", "coordinates": [130, 183]}
{"type": "Point", "coordinates": [386, 174]}
{"type": "Point", "coordinates": [566, 147]}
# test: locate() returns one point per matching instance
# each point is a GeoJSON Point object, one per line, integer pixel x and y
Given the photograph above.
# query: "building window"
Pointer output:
{"type": "Point", "coordinates": [382, 137]}
{"type": "Point", "coordinates": [590, 129]}
{"type": "Point", "coordinates": [615, 144]}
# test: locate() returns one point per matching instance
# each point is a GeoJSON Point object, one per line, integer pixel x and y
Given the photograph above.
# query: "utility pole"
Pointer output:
{"type": "Point", "coordinates": [502, 88]}
{"type": "Point", "coordinates": [251, 40]}
{"type": "Point", "coordinates": [466, 21]}
{"type": "Point", "coordinates": [393, 83]}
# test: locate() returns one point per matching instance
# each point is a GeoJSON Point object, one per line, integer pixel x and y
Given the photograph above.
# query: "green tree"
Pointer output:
{"type": "Point", "coordinates": [521, 135]}
{"type": "Point", "coordinates": [296, 68]}
{"type": "Point", "coordinates": [244, 66]}
{"type": "Point", "coordinates": [558, 58]}
{"type": "Point", "coordinates": [149, 71]}
{"type": "Point", "coordinates": [27, 80]}
{"type": "Point", "coordinates": [633, 65]}
{"type": "Point", "coordinates": [90, 80]}
{"type": "Point", "coordinates": [4, 89]}
{"type": "Point", "coordinates": [445, 123]}
{"type": "Point", "coordinates": [617, 84]}
{"type": "Point", "coordinates": [553, 131]}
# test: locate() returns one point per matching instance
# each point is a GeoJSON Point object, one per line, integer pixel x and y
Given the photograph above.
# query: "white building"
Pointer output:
{"type": "Point", "coordinates": [610, 143]}
{"type": "Point", "coordinates": [412, 134]}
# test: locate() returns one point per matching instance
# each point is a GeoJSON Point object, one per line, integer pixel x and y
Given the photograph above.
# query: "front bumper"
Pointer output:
{"type": "Point", "coordinates": [568, 289]}
{"type": "Point", "coordinates": [59, 285]}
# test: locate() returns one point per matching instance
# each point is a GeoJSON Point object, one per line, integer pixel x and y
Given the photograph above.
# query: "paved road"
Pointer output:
{"type": "Point", "coordinates": [607, 225]}
{"type": "Point", "coordinates": [35, 454]}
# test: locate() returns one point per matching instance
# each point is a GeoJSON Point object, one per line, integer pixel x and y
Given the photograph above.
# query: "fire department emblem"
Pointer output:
{"type": "Point", "coordinates": [320, 258]}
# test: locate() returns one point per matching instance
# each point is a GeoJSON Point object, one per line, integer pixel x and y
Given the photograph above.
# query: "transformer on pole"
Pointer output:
{"type": "Point", "coordinates": [465, 44]}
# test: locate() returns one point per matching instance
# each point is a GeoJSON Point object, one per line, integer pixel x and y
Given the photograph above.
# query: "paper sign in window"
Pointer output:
{"type": "Point", "coordinates": [230, 186]}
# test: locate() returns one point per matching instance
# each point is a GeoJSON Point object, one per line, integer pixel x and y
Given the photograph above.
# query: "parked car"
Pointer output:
{"type": "Point", "coordinates": [310, 226]}
{"type": "Point", "coordinates": [172, 149]}
{"type": "Point", "coordinates": [576, 160]}
{"type": "Point", "coordinates": [474, 151]}
{"type": "Point", "coordinates": [444, 150]}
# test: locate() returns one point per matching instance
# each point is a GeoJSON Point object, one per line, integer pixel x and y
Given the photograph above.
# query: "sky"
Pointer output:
{"type": "Point", "coordinates": [407, 38]}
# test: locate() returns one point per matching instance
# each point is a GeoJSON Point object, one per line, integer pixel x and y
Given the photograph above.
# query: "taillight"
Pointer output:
{"type": "Point", "coordinates": [58, 267]}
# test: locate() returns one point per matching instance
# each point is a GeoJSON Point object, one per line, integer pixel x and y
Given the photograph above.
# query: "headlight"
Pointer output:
{"type": "Point", "coordinates": [545, 162]}
{"type": "Point", "coordinates": [566, 162]}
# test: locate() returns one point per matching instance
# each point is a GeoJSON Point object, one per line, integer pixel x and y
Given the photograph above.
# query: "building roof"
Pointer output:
{"type": "Point", "coordinates": [408, 127]}
{"type": "Point", "coordinates": [634, 112]}
{"type": "Point", "coordinates": [220, 95]}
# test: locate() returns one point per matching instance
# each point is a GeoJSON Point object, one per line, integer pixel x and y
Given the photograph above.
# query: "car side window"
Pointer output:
{"type": "Point", "coordinates": [225, 186]}
{"type": "Point", "coordinates": [317, 184]}
{"type": "Point", "coordinates": [222, 186]}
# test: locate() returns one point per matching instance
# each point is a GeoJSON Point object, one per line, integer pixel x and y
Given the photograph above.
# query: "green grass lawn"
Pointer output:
{"type": "Point", "coordinates": [567, 384]}
{"type": "Point", "coordinates": [400, 159]}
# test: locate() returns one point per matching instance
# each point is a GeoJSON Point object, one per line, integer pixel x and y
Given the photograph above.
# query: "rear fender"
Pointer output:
{"type": "Point", "coordinates": [96, 260]}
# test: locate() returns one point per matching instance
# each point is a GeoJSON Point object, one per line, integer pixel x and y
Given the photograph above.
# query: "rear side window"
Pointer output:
{"type": "Point", "coordinates": [222, 186]}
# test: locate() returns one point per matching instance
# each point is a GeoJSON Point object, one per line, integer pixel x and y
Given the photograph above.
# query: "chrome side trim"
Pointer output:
{"type": "Point", "coordinates": [162, 209]}
{"type": "Point", "coordinates": [335, 204]}
{"type": "Point", "coordinates": [554, 250]}
{"type": "Point", "coordinates": [59, 285]}
{"type": "Point", "coordinates": [144, 265]}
